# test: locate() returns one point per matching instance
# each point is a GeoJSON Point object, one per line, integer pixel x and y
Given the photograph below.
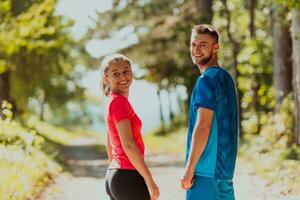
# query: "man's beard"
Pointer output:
{"type": "Point", "coordinates": [204, 61]}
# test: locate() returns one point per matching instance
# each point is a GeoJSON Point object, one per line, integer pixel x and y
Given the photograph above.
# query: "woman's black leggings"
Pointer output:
{"type": "Point", "coordinates": [125, 185]}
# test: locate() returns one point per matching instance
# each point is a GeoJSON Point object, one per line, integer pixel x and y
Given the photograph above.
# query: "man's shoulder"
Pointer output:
{"type": "Point", "coordinates": [218, 73]}
{"type": "Point", "coordinates": [205, 81]}
{"type": "Point", "coordinates": [205, 85]}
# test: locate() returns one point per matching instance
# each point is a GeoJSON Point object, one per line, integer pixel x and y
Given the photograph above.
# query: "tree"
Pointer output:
{"type": "Point", "coordinates": [163, 37]}
{"type": "Point", "coordinates": [296, 68]}
{"type": "Point", "coordinates": [282, 65]}
{"type": "Point", "coordinates": [37, 57]}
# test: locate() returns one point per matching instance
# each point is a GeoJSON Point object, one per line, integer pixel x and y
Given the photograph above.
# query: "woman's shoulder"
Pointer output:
{"type": "Point", "coordinates": [118, 100]}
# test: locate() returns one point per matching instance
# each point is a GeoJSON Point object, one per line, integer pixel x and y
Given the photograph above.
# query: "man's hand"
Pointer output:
{"type": "Point", "coordinates": [188, 179]}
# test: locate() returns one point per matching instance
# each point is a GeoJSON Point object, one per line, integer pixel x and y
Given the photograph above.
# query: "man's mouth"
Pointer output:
{"type": "Point", "coordinates": [197, 55]}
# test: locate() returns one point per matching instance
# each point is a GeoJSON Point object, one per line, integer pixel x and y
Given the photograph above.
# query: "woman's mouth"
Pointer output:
{"type": "Point", "coordinates": [123, 82]}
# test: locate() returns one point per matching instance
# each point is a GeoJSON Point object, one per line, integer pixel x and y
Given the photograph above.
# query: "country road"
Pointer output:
{"type": "Point", "coordinates": [85, 180]}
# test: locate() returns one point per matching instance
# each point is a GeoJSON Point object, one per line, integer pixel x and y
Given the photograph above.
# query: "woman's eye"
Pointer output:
{"type": "Point", "coordinates": [115, 74]}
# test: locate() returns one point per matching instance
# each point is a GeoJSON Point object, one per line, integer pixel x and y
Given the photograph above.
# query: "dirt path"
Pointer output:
{"type": "Point", "coordinates": [87, 170]}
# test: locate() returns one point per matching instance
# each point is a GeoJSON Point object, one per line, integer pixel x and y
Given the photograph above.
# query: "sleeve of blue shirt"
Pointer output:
{"type": "Point", "coordinates": [205, 95]}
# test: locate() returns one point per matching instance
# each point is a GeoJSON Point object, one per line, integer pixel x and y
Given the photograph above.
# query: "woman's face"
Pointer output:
{"type": "Point", "coordinates": [119, 76]}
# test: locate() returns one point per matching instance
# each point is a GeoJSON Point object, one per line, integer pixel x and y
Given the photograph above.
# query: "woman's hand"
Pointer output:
{"type": "Point", "coordinates": [153, 189]}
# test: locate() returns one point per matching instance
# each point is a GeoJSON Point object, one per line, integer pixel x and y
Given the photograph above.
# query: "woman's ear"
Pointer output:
{"type": "Point", "coordinates": [105, 80]}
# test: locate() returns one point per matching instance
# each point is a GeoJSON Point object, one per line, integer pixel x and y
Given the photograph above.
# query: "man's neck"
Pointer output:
{"type": "Point", "coordinates": [203, 68]}
{"type": "Point", "coordinates": [212, 62]}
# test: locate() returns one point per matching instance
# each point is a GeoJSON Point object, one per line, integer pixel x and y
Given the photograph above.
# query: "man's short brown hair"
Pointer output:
{"type": "Point", "coordinates": [207, 29]}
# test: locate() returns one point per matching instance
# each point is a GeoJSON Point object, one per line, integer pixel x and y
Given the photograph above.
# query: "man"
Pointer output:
{"type": "Point", "coordinates": [213, 123]}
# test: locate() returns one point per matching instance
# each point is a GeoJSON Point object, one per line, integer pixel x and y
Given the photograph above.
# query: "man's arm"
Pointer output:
{"type": "Point", "coordinates": [198, 144]}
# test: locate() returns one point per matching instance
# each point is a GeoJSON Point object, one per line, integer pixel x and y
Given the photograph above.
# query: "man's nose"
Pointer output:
{"type": "Point", "coordinates": [195, 49]}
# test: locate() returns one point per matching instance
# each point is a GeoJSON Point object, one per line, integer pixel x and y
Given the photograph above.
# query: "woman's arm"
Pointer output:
{"type": "Point", "coordinates": [135, 157]}
{"type": "Point", "coordinates": [108, 148]}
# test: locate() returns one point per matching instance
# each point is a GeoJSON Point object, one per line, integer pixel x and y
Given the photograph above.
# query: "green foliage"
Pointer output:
{"type": "Point", "coordinates": [162, 47]}
{"type": "Point", "coordinates": [39, 55]}
{"type": "Point", "coordinates": [52, 133]}
{"type": "Point", "coordinates": [294, 4]}
{"type": "Point", "coordinates": [13, 134]}
{"type": "Point", "coordinates": [291, 153]}
{"type": "Point", "coordinates": [254, 67]}
{"type": "Point", "coordinates": [24, 168]}
{"type": "Point", "coordinates": [276, 127]}
{"type": "Point", "coordinates": [272, 152]}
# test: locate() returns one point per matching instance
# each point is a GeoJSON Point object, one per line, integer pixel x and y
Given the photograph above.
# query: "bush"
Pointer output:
{"type": "Point", "coordinates": [24, 168]}
{"type": "Point", "coordinates": [273, 153]}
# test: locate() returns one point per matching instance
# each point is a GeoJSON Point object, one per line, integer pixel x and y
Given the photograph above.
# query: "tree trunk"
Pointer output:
{"type": "Point", "coordinates": [252, 18]}
{"type": "Point", "coordinates": [4, 89]}
{"type": "Point", "coordinates": [43, 101]}
{"type": "Point", "coordinates": [205, 8]}
{"type": "Point", "coordinates": [181, 105]}
{"type": "Point", "coordinates": [162, 121]}
{"type": "Point", "coordinates": [171, 113]}
{"type": "Point", "coordinates": [282, 63]}
{"type": "Point", "coordinates": [296, 70]}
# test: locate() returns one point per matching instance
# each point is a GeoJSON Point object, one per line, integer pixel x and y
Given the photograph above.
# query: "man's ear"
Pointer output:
{"type": "Point", "coordinates": [216, 47]}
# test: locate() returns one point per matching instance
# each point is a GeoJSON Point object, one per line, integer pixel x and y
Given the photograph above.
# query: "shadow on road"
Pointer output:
{"type": "Point", "coordinates": [83, 160]}
{"type": "Point", "coordinates": [89, 159]}
{"type": "Point", "coordinates": [165, 160]}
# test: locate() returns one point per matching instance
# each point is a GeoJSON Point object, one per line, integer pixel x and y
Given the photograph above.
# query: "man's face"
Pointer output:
{"type": "Point", "coordinates": [202, 48]}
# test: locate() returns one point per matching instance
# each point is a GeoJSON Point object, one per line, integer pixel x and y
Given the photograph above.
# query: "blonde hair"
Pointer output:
{"type": "Point", "coordinates": [105, 66]}
{"type": "Point", "coordinates": [207, 29]}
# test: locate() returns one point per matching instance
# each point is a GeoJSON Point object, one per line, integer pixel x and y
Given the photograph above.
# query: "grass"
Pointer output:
{"type": "Point", "coordinates": [52, 133]}
{"type": "Point", "coordinates": [173, 142]}
{"type": "Point", "coordinates": [278, 164]}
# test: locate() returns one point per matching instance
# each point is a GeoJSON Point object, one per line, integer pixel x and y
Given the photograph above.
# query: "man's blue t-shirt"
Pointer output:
{"type": "Point", "coordinates": [215, 90]}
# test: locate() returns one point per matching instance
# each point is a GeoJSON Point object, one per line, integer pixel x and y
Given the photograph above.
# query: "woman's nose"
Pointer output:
{"type": "Point", "coordinates": [123, 76]}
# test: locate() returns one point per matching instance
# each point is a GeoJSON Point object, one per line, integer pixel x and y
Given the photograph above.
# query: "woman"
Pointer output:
{"type": "Point", "coordinates": [128, 177]}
